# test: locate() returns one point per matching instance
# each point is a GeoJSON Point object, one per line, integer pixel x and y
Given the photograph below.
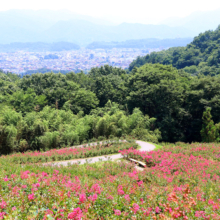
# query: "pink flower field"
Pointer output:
{"type": "Point", "coordinates": [176, 184]}
{"type": "Point", "coordinates": [68, 153]}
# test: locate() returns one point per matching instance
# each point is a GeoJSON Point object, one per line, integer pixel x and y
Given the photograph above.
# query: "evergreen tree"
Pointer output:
{"type": "Point", "coordinates": [208, 131]}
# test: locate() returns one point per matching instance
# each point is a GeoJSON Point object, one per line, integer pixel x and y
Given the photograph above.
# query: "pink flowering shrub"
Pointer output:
{"type": "Point", "coordinates": [67, 153]}
{"type": "Point", "coordinates": [117, 212]}
{"type": "Point", "coordinates": [31, 197]}
{"type": "Point", "coordinates": [174, 185]}
{"type": "Point", "coordinates": [77, 214]}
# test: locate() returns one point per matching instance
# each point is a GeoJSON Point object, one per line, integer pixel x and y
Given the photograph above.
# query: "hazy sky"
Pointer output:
{"type": "Point", "coordinates": [149, 11]}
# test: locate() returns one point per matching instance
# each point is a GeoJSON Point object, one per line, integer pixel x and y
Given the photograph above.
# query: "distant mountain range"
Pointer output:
{"type": "Point", "coordinates": [149, 43]}
{"type": "Point", "coordinates": [84, 32]}
{"type": "Point", "coordinates": [55, 26]}
{"type": "Point", "coordinates": [65, 26]}
{"type": "Point", "coordinates": [38, 47]}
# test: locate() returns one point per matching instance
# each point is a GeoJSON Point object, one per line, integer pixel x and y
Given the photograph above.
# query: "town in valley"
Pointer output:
{"type": "Point", "coordinates": [84, 59]}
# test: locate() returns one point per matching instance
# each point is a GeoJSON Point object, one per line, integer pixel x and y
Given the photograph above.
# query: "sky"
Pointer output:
{"type": "Point", "coordinates": [144, 11]}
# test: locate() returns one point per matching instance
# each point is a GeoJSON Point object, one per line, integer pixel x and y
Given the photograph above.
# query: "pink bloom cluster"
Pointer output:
{"type": "Point", "coordinates": [174, 185]}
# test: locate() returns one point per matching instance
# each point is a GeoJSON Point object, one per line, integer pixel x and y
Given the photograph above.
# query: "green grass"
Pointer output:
{"type": "Point", "coordinates": [157, 146]}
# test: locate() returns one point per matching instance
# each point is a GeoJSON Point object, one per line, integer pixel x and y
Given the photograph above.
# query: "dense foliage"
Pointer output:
{"type": "Point", "coordinates": [55, 110]}
{"type": "Point", "coordinates": [200, 56]}
{"type": "Point", "coordinates": [52, 128]}
{"type": "Point", "coordinates": [179, 182]}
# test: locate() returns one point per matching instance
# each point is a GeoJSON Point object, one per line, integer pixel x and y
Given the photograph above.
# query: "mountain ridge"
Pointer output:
{"type": "Point", "coordinates": [54, 26]}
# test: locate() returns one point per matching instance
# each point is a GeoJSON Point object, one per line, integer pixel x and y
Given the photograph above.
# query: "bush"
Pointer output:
{"type": "Point", "coordinates": [23, 145]}
{"type": "Point", "coordinates": [101, 138]}
{"type": "Point", "coordinates": [51, 140]}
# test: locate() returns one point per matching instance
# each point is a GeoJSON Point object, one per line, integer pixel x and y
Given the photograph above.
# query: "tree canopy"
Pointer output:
{"type": "Point", "coordinates": [154, 102]}
{"type": "Point", "coordinates": [202, 55]}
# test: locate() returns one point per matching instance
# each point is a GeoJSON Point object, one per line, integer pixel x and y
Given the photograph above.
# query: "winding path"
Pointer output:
{"type": "Point", "coordinates": [144, 147]}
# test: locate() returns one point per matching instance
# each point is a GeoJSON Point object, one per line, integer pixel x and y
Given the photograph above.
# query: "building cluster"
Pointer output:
{"type": "Point", "coordinates": [84, 59]}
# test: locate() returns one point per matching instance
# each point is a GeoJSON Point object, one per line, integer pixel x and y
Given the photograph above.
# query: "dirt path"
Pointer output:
{"type": "Point", "coordinates": [144, 147]}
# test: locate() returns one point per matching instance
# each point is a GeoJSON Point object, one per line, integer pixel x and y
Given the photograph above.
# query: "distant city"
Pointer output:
{"type": "Point", "coordinates": [21, 62]}
{"type": "Point", "coordinates": [47, 40]}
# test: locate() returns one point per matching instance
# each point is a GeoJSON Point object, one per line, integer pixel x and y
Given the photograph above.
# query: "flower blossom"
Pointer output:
{"type": "Point", "coordinates": [117, 212]}
{"type": "Point", "coordinates": [76, 214]}
{"type": "Point", "coordinates": [82, 197]}
{"type": "Point", "coordinates": [93, 197]}
{"type": "Point", "coordinates": [31, 197]}
{"type": "Point", "coordinates": [135, 207]}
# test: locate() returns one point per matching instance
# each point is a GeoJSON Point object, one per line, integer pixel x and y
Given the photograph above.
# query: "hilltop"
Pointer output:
{"type": "Point", "coordinates": [202, 55]}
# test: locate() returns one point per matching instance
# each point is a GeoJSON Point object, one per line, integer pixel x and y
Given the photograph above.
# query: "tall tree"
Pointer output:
{"type": "Point", "coordinates": [159, 91]}
{"type": "Point", "coordinates": [208, 131]}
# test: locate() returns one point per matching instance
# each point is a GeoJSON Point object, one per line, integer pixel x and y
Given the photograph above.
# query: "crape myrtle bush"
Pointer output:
{"type": "Point", "coordinates": [52, 128]}
{"type": "Point", "coordinates": [174, 185]}
{"type": "Point", "coordinates": [69, 153]}
{"type": "Point", "coordinates": [207, 151]}
{"type": "Point", "coordinates": [193, 171]}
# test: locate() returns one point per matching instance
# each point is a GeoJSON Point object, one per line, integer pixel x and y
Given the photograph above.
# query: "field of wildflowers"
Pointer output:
{"type": "Point", "coordinates": [69, 153]}
{"type": "Point", "coordinates": [176, 184]}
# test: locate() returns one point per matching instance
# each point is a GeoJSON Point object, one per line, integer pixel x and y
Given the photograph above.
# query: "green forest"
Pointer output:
{"type": "Point", "coordinates": [169, 96]}
{"type": "Point", "coordinates": [200, 56]}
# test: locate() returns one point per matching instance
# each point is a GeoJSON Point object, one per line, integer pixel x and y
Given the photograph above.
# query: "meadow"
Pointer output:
{"type": "Point", "coordinates": [179, 182]}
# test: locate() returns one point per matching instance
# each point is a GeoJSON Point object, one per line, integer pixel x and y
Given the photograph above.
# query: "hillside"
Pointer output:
{"type": "Point", "coordinates": [202, 55]}
{"type": "Point", "coordinates": [179, 182]}
{"type": "Point", "coordinates": [149, 43]}
{"type": "Point", "coordinates": [105, 102]}
{"type": "Point", "coordinates": [42, 117]}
